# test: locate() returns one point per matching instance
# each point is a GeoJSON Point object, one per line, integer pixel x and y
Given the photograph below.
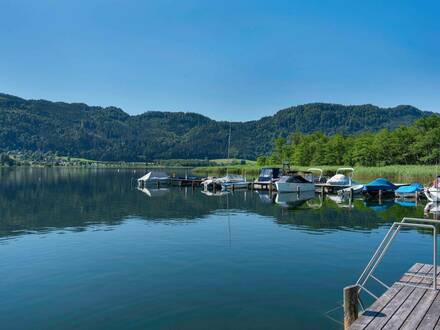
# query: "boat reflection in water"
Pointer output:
{"type": "Point", "coordinates": [432, 208]}
{"type": "Point", "coordinates": [293, 200]}
{"type": "Point", "coordinates": [159, 192]}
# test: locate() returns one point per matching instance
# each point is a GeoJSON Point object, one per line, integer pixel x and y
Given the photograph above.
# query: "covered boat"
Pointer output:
{"type": "Point", "coordinates": [410, 191]}
{"type": "Point", "coordinates": [379, 185]}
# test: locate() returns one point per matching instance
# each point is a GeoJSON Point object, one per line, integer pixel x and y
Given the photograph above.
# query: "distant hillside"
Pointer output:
{"type": "Point", "coordinates": [76, 129]}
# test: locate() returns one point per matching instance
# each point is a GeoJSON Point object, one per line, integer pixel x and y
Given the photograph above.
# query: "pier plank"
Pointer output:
{"type": "Point", "coordinates": [405, 309]}
{"type": "Point", "coordinates": [394, 305]}
{"type": "Point", "coordinates": [375, 310]}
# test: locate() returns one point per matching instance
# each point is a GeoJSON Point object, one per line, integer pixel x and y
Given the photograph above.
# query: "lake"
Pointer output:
{"type": "Point", "coordinates": [83, 248]}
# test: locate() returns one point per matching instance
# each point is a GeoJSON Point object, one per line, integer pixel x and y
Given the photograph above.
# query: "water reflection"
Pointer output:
{"type": "Point", "coordinates": [38, 199]}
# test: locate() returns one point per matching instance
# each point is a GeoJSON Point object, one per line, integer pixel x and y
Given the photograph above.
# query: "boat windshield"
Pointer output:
{"type": "Point", "coordinates": [266, 172]}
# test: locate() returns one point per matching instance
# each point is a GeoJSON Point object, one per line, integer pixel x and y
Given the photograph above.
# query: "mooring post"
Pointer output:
{"type": "Point", "coordinates": [380, 196]}
{"type": "Point", "coordinates": [351, 194]}
{"type": "Point", "coordinates": [158, 184]}
{"type": "Point", "coordinates": [351, 297]}
{"type": "Point", "coordinates": [298, 190]}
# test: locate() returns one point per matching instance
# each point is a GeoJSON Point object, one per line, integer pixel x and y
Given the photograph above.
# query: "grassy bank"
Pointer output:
{"type": "Point", "coordinates": [401, 173]}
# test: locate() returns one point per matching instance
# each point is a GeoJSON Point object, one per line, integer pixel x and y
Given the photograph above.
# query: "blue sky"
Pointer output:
{"type": "Point", "coordinates": [231, 60]}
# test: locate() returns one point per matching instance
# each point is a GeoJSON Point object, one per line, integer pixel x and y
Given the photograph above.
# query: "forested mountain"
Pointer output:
{"type": "Point", "coordinates": [76, 129]}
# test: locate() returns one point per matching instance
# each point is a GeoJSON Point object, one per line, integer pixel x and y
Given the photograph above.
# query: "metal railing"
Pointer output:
{"type": "Point", "coordinates": [386, 243]}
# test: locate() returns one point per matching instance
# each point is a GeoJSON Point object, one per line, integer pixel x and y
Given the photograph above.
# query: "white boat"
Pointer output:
{"type": "Point", "coordinates": [310, 175]}
{"type": "Point", "coordinates": [294, 183]}
{"type": "Point", "coordinates": [343, 177]}
{"type": "Point", "coordinates": [154, 177]}
{"type": "Point", "coordinates": [433, 193]}
{"type": "Point", "coordinates": [229, 181]}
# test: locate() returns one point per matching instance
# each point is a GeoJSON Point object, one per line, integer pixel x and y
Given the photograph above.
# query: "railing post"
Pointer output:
{"type": "Point", "coordinates": [351, 297]}
{"type": "Point", "coordinates": [434, 270]}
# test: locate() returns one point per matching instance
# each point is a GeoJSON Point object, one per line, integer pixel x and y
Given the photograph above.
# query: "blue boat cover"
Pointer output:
{"type": "Point", "coordinates": [412, 188]}
{"type": "Point", "coordinates": [379, 184]}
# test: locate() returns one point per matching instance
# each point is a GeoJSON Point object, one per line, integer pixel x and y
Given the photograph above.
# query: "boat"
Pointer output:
{"type": "Point", "coordinates": [343, 177]}
{"type": "Point", "coordinates": [268, 175]}
{"type": "Point", "coordinates": [229, 181]}
{"type": "Point", "coordinates": [153, 177]}
{"type": "Point", "coordinates": [310, 176]}
{"type": "Point", "coordinates": [379, 186]}
{"type": "Point", "coordinates": [410, 191]}
{"type": "Point", "coordinates": [233, 181]}
{"type": "Point", "coordinates": [433, 192]}
{"type": "Point", "coordinates": [294, 182]}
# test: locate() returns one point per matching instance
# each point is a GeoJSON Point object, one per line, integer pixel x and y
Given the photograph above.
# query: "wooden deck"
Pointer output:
{"type": "Point", "coordinates": [403, 306]}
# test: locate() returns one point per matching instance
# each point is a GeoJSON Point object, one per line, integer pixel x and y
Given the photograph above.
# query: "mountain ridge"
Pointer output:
{"type": "Point", "coordinates": [109, 133]}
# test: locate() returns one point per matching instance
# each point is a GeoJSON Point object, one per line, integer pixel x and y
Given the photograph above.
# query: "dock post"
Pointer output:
{"type": "Point", "coordinates": [298, 190]}
{"type": "Point", "coordinates": [380, 196]}
{"type": "Point", "coordinates": [158, 184]}
{"type": "Point", "coordinates": [270, 187]}
{"type": "Point", "coordinates": [351, 296]}
{"type": "Point", "coordinates": [351, 194]}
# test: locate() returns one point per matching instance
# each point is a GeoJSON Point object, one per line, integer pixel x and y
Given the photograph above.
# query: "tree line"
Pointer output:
{"type": "Point", "coordinates": [417, 144]}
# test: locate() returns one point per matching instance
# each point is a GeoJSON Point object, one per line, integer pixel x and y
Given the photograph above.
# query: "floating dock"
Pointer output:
{"type": "Point", "coordinates": [186, 182]}
{"type": "Point", "coordinates": [410, 303]}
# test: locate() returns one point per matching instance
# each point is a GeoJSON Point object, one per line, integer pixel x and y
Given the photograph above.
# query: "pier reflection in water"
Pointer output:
{"type": "Point", "coordinates": [86, 248]}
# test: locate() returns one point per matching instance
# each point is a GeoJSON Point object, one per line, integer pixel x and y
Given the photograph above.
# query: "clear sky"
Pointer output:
{"type": "Point", "coordinates": [232, 60]}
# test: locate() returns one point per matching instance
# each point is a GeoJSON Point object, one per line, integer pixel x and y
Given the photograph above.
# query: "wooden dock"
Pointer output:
{"type": "Point", "coordinates": [405, 306]}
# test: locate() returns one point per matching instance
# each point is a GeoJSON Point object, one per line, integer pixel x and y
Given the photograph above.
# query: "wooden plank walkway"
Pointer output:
{"type": "Point", "coordinates": [404, 306]}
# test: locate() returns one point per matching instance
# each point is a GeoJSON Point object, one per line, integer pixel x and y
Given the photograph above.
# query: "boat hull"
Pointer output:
{"type": "Point", "coordinates": [294, 187]}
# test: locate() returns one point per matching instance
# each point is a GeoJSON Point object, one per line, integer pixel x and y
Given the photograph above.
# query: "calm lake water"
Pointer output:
{"type": "Point", "coordinates": [84, 249]}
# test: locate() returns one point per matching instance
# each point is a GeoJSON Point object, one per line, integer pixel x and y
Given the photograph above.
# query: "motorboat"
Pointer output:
{"type": "Point", "coordinates": [154, 177]}
{"type": "Point", "coordinates": [343, 177]}
{"type": "Point", "coordinates": [268, 175]}
{"type": "Point", "coordinates": [233, 181]}
{"type": "Point", "coordinates": [310, 175]}
{"type": "Point", "coordinates": [433, 192]}
{"type": "Point", "coordinates": [229, 181]}
{"type": "Point", "coordinates": [410, 191]}
{"type": "Point", "coordinates": [294, 182]}
{"type": "Point", "coordinates": [379, 186]}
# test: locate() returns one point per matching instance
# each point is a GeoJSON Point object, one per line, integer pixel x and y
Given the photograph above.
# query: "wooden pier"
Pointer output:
{"type": "Point", "coordinates": [410, 303]}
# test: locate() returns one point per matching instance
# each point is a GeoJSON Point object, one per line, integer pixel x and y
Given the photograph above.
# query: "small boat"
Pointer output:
{"type": "Point", "coordinates": [433, 192]}
{"type": "Point", "coordinates": [294, 182]}
{"type": "Point", "coordinates": [154, 177]}
{"type": "Point", "coordinates": [269, 174]}
{"type": "Point", "coordinates": [343, 177]}
{"type": "Point", "coordinates": [378, 186]}
{"type": "Point", "coordinates": [230, 181]}
{"type": "Point", "coordinates": [410, 191]}
{"type": "Point", "coordinates": [233, 181]}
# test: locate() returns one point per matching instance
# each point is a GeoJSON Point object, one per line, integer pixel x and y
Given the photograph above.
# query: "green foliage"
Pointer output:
{"type": "Point", "coordinates": [418, 144]}
{"type": "Point", "coordinates": [109, 134]}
